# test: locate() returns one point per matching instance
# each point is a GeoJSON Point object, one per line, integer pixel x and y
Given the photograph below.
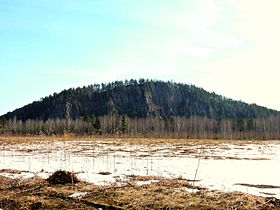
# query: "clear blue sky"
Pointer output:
{"type": "Point", "coordinates": [224, 46]}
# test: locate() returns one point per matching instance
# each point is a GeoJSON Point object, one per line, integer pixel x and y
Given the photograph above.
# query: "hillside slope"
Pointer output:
{"type": "Point", "coordinates": [138, 99]}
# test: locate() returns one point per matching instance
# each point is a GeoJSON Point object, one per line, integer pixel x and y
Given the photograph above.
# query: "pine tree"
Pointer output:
{"type": "Point", "coordinates": [97, 126]}
{"type": "Point", "coordinates": [123, 124]}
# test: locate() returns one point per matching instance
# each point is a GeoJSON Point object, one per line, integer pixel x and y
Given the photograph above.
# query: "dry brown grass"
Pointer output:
{"type": "Point", "coordinates": [122, 140]}
{"type": "Point", "coordinates": [37, 193]}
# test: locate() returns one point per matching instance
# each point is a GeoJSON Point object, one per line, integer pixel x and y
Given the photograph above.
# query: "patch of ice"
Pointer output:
{"type": "Point", "coordinates": [78, 195]}
{"type": "Point", "coordinates": [22, 175]}
{"type": "Point", "coordinates": [140, 183]}
{"type": "Point", "coordinates": [190, 190]}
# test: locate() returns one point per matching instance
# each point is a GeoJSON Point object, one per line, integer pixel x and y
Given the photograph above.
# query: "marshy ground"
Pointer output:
{"type": "Point", "coordinates": [37, 193]}
{"type": "Point", "coordinates": [138, 173]}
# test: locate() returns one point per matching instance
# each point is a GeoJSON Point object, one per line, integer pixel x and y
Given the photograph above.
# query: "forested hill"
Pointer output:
{"type": "Point", "coordinates": [138, 99]}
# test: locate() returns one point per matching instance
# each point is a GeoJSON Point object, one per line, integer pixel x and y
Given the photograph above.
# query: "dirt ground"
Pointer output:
{"type": "Point", "coordinates": [38, 193]}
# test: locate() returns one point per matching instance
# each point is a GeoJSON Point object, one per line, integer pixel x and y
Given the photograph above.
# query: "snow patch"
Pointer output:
{"type": "Point", "coordinates": [78, 195]}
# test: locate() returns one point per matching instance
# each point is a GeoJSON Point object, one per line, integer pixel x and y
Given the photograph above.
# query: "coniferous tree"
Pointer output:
{"type": "Point", "coordinates": [123, 124]}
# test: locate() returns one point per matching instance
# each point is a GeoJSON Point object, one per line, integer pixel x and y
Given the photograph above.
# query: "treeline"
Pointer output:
{"type": "Point", "coordinates": [175, 127]}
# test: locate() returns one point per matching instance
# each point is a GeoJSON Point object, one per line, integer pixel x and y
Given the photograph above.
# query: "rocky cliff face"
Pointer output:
{"type": "Point", "coordinates": [138, 99]}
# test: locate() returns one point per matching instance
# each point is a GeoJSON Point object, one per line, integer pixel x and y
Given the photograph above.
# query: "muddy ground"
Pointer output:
{"type": "Point", "coordinates": [38, 193]}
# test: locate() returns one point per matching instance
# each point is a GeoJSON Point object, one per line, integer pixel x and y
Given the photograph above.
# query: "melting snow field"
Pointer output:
{"type": "Point", "coordinates": [225, 166]}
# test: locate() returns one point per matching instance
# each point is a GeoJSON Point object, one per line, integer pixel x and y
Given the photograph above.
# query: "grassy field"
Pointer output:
{"type": "Point", "coordinates": [130, 140]}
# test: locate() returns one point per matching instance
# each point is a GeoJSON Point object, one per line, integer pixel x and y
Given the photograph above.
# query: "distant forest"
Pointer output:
{"type": "Point", "coordinates": [174, 127]}
{"type": "Point", "coordinates": [143, 108]}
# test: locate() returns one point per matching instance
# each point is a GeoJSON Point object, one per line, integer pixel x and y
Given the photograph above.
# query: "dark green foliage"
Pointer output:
{"type": "Point", "coordinates": [94, 121]}
{"type": "Point", "coordinates": [240, 125]}
{"type": "Point", "coordinates": [169, 124]}
{"type": "Point", "coordinates": [141, 98]}
{"type": "Point", "coordinates": [2, 124]}
{"type": "Point", "coordinates": [250, 125]}
{"type": "Point", "coordinates": [97, 125]}
{"type": "Point", "coordinates": [123, 124]}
